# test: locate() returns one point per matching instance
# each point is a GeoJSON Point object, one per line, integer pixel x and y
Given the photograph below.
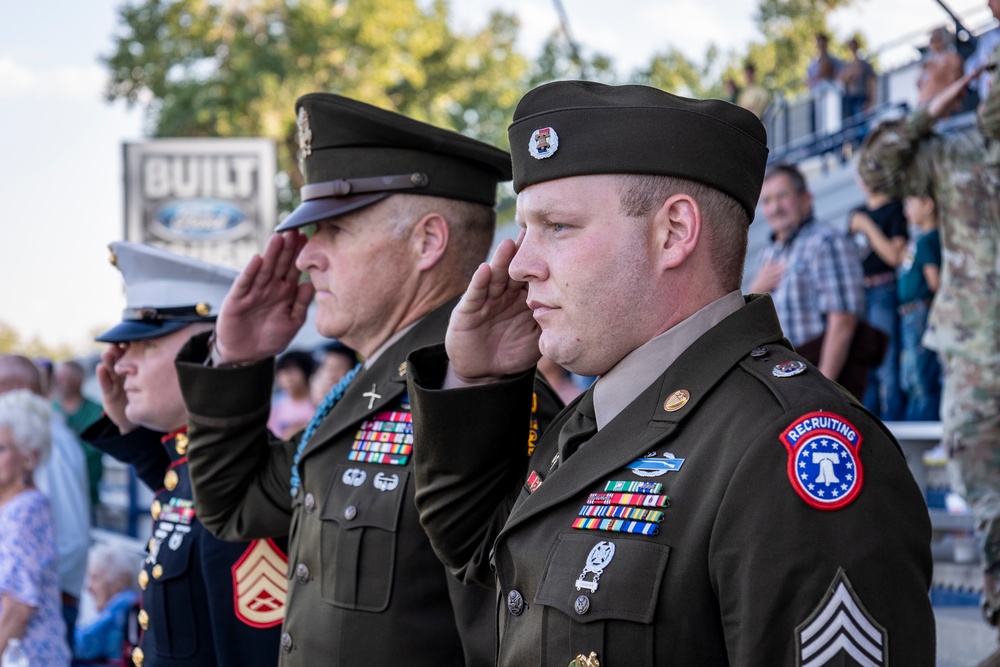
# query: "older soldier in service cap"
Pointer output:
{"type": "Point", "coordinates": [402, 214]}
{"type": "Point", "coordinates": [713, 499]}
{"type": "Point", "coordinates": [962, 171]}
{"type": "Point", "coordinates": [205, 602]}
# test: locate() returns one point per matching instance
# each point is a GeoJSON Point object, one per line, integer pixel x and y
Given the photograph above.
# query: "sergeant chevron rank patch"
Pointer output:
{"type": "Point", "coordinates": [260, 585]}
{"type": "Point", "coordinates": [824, 466]}
{"type": "Point", "coordinates": [841, 626]}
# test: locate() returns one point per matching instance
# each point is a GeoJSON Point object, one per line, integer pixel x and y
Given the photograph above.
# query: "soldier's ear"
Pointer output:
{"type": "Point", "coordinates": [430, 236]}
{"type": "Point", "coordinates": [676, 229]}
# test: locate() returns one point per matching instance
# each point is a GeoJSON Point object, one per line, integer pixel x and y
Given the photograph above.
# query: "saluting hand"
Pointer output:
{"type": "Point", "coordinates": [112, 386]}
{"type": "Point", "coordinates": [492, 333]}
{"type": "Point", "coordinates": [267, 304]}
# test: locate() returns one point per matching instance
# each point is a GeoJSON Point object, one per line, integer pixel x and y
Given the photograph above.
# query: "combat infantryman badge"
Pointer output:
{"type": "Point", "coordinates": [651, 466]}
{"type": "Point", "coordinates": [823, 462]}
{"type": "Point", "coordinates": [260, 585]}
{"type": "Point", "coordinates": [543, 143]}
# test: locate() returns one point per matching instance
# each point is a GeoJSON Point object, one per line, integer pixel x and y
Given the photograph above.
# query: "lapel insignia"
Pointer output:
{"type": "Point", "coordinates": [841, 625]}
{"type": "Point", "coordinates": [533, 482]}
{"type": "Point", "coordinates": [544, 143]}
{"type": "Point", "coordinates": [652, 466]}
{"type": "Point", "coordinates": [598, 559]}
{"type": "Point", "coordinates": [677, 400]}
{"type": "Point", "coordinates": [402, 370]}
{"type": "Point", "coordinates": [372, 396]}
{"type": "Point", "coordinates": [386, 438]}
{"type": "Point", "coordinates": [787, 369]}
{"type": "Point", "coordinates": [260, 585]}
{"type": "Point", "coordinates": [823, 462]}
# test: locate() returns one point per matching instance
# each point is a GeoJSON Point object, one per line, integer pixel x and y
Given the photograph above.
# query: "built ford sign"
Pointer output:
{"type": "Point", "coordinates": [213, 199]}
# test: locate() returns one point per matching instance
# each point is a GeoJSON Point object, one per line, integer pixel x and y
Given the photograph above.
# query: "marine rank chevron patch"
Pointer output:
{"type": "Point", "coordinates": [841, 626]}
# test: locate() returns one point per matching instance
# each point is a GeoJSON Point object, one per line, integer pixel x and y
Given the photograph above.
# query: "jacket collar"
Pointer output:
{"type": "Point", "coordinates": [644, 424]}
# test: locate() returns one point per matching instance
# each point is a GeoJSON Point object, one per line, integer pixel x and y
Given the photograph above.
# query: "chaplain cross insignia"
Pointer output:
{"type": "Point", "coordinates": [371, 396]}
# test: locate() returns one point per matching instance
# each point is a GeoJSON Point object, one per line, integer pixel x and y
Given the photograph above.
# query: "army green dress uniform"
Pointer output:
{"type": "Point", "coordinates": [741, 509]}
{"type": "Point", "coordinates": [364, 585]}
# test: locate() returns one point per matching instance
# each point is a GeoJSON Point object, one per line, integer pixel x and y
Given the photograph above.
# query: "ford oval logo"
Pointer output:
{"type": "Point", "coordinates": [199, 220]}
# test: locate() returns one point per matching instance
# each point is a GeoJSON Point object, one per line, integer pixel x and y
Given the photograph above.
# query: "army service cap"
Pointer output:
{"type": "Point", "coordinates": [164, 291]}
{"type": "Point", "coordinates": [354, 154]}
{"type": "Point", "coordinates": [575, 128]}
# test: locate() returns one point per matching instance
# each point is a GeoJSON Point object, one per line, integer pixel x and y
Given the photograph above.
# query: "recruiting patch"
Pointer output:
{"type": "Point", "coordinates": [823, 462]}
{"type": "Point", "coordinates": [839, 627]}
{"type": "Point", "coordinates": [260, 585]}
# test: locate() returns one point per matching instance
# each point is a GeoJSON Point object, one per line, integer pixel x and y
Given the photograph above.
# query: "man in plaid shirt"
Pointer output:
{"type": "Point", "coordinates": [812, 271]}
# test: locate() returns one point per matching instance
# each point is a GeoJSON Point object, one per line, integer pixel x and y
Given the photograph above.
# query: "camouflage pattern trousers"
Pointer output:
{"type": "Point", "coordinates": [970, 420]}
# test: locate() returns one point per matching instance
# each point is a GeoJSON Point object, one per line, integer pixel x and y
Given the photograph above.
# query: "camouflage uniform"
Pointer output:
{"type": "Point", "coordinates": [962, 172]}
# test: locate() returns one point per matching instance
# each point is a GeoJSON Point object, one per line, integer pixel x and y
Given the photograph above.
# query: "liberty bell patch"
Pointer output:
{"type": "Point", "coordinates": [823, 462]}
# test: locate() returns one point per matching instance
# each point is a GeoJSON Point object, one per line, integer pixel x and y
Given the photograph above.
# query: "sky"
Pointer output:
{"type": "Point", "coordinates": [61, 178]}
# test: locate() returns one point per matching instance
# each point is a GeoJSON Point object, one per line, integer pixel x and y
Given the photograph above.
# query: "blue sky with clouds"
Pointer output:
{"type": "Point", "coordinates": [60, 143]}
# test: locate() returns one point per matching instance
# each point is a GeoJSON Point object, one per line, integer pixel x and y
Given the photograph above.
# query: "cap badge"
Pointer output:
{"type": "Point", "coordinates": [305, 138]}
{"type": "Point", "coordinates": [543, 143]}
{"type": "Point", "coordinates": [203, 309]}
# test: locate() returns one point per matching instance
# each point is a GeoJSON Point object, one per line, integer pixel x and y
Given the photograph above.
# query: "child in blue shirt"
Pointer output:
{"type": "Point", "coordinates": [919, 276]}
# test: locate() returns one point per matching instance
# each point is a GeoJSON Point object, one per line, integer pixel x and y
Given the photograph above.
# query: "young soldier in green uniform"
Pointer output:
{"type": "Point", "coordinates": [962, 171]}
{"type": "Point", "coordinates": [402, 214]}
{"type": "Point", "coordinates": [713, 499]}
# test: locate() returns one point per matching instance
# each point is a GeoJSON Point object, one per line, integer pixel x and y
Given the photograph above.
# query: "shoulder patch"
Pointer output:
{"type": "Point", "coordinates": [841, 626]}
{"type": "Point", "coordinates": [824, 466]}
{"type": "Point", "coordinates": [260, 585]}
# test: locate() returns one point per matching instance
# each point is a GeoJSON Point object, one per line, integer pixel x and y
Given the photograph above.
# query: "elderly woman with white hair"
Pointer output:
{"type": "Point", "coordinates": [110, 576]}
{"type": "Point", "coordinates": [30, 605]}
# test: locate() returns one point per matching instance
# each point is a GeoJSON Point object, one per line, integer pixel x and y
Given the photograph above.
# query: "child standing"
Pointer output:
{"type": "Point", "coordinates": [919, 278]}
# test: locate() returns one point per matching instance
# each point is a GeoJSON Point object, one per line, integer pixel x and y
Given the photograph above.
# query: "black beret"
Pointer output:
{"type": "Point", "coordinates": [354, 154]}
{"type": "Point", "coordinates": [573, 128]}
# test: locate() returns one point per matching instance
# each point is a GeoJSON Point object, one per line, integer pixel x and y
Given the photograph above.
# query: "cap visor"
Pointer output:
{"type": "Point", "coordinates": [135, 330]}
{"type": "Point", "coordinates": [315, 210]}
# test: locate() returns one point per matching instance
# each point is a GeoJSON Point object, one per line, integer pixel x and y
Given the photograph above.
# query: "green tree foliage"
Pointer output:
{"type": "Point", "coordinates": [789, 28]}
{"type": "Point", "coordinates": [225, 68]}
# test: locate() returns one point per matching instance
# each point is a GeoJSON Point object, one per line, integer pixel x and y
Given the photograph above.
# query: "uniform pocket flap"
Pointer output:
{"type": "Point", "coordinates": [362, 497]}
{"type": "Point", "coordinates": [592, 577]}
{"type": "Point", "coordinates": [173, 552]}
